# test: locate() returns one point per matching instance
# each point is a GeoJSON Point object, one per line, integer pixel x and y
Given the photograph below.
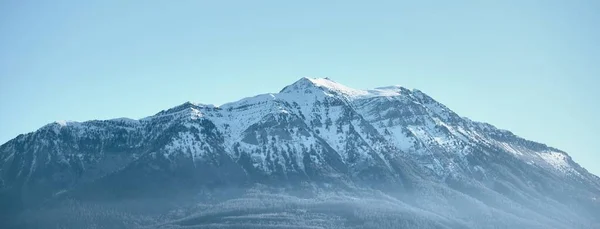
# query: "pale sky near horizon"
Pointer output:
{"type": "Point", "coordinates": [532, 67]}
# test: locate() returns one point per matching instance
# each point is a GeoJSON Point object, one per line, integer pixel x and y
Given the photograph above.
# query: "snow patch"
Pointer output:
{"type": "Point", "coordinates": [555, 159]}
{"type": "Point", "coordinates": [334, 86]}
{"type": "Point", "coordinates": [61, 123]}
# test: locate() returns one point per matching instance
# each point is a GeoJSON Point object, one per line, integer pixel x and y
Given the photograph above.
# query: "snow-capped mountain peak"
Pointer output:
{"type": "Point", "coordinates": [327, 85]}
{"type": "Point", "coordinates": [313, 131]}
{"type": "Point", "coordinates": [333, 88]}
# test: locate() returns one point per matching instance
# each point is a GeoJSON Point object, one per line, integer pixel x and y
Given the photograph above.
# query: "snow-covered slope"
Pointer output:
{"type": "Point", "coordinates": [314, 130]}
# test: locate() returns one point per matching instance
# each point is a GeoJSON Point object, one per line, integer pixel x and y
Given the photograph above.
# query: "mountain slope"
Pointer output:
{"type": "Point", "coordinates": [317, 136]}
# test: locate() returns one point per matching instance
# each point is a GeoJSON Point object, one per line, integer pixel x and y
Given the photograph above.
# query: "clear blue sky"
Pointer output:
{"type": "Point", "coordinates": [532, 67]}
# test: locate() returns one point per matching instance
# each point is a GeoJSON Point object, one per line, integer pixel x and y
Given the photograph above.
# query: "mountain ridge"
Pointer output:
{"type": "Point", "coordinates": [313, 131]}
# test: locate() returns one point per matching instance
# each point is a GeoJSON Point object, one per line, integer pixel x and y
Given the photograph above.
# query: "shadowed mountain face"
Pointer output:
{"type": "Point", "coordinates": [315, 155]}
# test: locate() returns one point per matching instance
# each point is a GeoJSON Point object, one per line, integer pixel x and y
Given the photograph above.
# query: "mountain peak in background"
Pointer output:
{"type": "Point", "coordinates": [306, 84]}
{"type": "Point", "coordinates": [302, 158]}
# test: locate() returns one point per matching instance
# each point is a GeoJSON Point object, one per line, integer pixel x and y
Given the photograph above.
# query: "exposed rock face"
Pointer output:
{"type": "Point", "coordinates": [314, 133]}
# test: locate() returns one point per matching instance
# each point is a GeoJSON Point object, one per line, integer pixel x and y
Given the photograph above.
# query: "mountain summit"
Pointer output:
{"type": "Point", "coordinates": [329, 86]}
{"type": "Point", "coordinates": [317, 154]}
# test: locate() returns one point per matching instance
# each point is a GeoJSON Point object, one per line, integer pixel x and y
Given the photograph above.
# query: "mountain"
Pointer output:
{"type": "Point", "coordinates": [317, 154]}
